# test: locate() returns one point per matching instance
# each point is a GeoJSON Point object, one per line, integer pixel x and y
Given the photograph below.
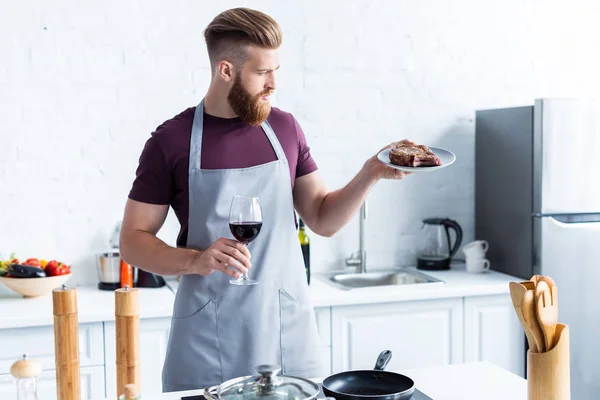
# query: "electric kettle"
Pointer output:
{"type": "Point", "coordinates": [437, 249]}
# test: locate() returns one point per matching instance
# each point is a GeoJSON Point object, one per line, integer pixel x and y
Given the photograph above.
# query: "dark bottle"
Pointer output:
{"type": "Point", "coordinates": [305, 246]}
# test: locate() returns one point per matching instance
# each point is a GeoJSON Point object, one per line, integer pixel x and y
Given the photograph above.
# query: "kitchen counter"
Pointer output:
{"type": "Point", "coordinates": [457, 283]}
{"type": "Point", "coordinates": [469, 381]}
{"type": "Point", "coordinates": [93, 306]}
{"type": "Point", "coordinates": [96, 305]}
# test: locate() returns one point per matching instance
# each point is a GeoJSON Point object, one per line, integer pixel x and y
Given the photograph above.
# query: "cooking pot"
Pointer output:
{"type": "Point", "coordinates": [268, 385]}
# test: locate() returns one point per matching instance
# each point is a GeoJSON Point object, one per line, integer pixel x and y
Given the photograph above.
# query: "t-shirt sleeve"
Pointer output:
{"type": "Point", "coordinates": [306, 163]}
{"type": "Point", "coordinates": [153, 180]}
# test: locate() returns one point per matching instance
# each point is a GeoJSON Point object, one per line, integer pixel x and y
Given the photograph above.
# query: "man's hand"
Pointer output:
{"type": "Point", "coordinates": [225, 255]}
{"type": "Point", "coordinates": [379, 170]}
{"type": "Point", "coordinates": [327, 212]}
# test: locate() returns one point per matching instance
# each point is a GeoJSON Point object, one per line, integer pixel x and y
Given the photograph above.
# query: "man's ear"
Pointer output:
{"type": "Point", "coordinates": [225, 71]}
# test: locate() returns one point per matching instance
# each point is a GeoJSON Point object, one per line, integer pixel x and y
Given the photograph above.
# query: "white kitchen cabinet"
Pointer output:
{"type": "Point", "coordinates": [91, 378]}
{"type": "Point", "coordinates": [493, 332]}
{"type": "Point", "coordinates": [154, 336]}
{"type": "Point", "coordinates": [323, 317]}
{"type": "Point", "coordinates": [38, 343]}
{"type": "Point", "coordinates": [419, 334]}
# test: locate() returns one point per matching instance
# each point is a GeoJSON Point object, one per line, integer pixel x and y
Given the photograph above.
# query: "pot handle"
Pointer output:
{"type": "Point", "coordinates": [210, 393]}
{"type": "Point", "coordinates": [383, 360]}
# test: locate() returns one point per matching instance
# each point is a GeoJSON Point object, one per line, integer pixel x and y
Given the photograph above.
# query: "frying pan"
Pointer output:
{"type": "Point", "coordinates": [375, 384]}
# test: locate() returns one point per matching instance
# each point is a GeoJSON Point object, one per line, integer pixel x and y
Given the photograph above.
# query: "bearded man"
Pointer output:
{"type": "Point", "coordinates": [234, 143]}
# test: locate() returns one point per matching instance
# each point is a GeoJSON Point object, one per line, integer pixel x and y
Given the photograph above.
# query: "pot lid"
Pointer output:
{"type": "Point", "coordinates": [268, 385]}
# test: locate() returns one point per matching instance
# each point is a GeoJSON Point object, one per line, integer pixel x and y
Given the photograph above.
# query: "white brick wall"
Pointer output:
{"type": "Point", "coordinates": [82, 85]}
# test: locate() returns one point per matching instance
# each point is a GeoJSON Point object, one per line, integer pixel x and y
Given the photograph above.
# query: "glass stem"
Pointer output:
{"type": "Point", "coordinates": [244, 276]}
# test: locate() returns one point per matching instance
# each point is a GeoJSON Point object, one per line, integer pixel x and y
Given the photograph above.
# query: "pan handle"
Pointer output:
{"type": "Point", "coordinates": [383, 360]}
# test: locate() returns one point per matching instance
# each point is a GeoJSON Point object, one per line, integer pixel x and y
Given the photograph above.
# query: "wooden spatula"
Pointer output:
{"type": "Point", "coordinates": [529, 285]}
{"type": "Point", "coordinates": [547, 310]}
{"type": "Point", "coordinates": [550, 283]}
{"type": "Point", "coordinates": [517, 291]}
{"type": "Point", "coordinates": [528, 306]}
{"type": "Point", "coordinates": [535, 279]}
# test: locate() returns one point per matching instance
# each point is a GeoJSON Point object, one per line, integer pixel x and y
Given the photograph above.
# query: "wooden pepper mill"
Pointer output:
{"type": "Point", "coordinates": [66, 343]}
{"type": "Point", "coordinates": [127, 324]}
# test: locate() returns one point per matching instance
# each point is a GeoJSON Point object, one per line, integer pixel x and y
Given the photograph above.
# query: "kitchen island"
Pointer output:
{"type": "Point", "coordinates": [468, 381]}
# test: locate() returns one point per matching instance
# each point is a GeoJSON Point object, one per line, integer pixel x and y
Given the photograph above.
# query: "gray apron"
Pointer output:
{"type": "Point", "coordinates": [221, 331]}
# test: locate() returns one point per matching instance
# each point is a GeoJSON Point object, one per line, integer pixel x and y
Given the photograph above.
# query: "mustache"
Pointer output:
{"type": "Point", "coordinates": [266, 92]}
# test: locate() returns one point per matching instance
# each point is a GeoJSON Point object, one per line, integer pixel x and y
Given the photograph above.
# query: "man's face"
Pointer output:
{"type": "Point", "coordinates": [253, 84]}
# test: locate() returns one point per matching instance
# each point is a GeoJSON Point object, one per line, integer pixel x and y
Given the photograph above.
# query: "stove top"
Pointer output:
{"type": "Point", "coordinates": [417, 395]}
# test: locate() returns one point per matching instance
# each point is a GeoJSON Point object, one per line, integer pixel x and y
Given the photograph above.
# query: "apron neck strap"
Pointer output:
{"type": "Point", "coordinates": [198, 128]}
{"type": "Point", "coordinates": [266, 127]}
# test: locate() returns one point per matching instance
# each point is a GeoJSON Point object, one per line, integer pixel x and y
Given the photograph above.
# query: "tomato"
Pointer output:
{"type": "Point", "coordinates": [32, 262]}
{"type": "Point", "coordinates": [54, 268]}
{"type": "Point", "coordinates": [64, 270]}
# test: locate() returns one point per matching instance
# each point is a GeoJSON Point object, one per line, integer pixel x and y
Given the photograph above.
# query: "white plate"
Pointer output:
{"type": "Point", "coordinates": [446, 158]}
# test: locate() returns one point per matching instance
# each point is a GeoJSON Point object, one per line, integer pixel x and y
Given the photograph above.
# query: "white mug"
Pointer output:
{"type": "Point", "coordinates": [476, 248]}
{"type": "Point", "coordinates": [477, 265]}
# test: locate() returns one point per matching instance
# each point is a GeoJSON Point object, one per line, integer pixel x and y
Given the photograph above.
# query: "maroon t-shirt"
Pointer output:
{"type": "Point", "coordinates": [162, 174]}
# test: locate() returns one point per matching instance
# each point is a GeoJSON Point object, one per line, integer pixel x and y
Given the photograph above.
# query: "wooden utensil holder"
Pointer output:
{"type": "Point", "coordinates": [548, 373]}
{"type": "Point", "coordinates": [127, 325]}
{"type": "Point", "coordinates": [66, 343]}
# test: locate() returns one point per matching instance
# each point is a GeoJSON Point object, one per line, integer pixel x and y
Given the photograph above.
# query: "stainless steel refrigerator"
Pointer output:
{"type": "Point", "coordinates": [537, 203]}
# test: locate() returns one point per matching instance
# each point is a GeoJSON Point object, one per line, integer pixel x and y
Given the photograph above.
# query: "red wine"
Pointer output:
{"type": "Point", "coordinates": [245, 232]}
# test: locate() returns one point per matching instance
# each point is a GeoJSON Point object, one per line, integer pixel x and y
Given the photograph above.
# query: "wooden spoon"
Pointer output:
{"type": "Point", "coordinates": [517, 291]}
{"type": "Point", "coordinates": [547, 311]}
{"type": "Point", "coordinates": [528, 306]}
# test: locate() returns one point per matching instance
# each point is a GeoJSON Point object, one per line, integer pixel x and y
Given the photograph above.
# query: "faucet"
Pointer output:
{"type": "Point", "coordinates": [359, 259]}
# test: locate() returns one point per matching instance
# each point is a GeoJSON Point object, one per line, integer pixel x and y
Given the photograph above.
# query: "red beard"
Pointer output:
{"type": "Point", "coordinates": [251, 109]}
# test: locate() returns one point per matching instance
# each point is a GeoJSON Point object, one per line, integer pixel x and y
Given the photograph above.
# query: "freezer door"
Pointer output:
{"type": "Point", "coordinates": [566, 154]}
{"type": "Point", "coordinates": [570, 254]}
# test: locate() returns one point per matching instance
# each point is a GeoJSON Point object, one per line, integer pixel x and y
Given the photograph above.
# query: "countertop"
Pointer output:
{"type": "Point", "coordinates": [93, 306]}
{"type": "Point", "coordinates": [456, 283]}
{"type": "Point", "coordinates": [96, 305]}
{"type": "Point", "coordinates": [469, 381]}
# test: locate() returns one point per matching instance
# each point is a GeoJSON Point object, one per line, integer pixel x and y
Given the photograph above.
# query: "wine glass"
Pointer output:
{"type": "Point", "coordinates": [245, 221]}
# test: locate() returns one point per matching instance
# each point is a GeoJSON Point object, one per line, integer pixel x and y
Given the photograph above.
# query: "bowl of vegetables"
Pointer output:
{"type": "Point", "coordinates": [33, 277]}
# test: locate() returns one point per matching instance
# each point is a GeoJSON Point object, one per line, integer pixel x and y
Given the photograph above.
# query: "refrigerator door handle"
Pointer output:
{"type": "Point", "coordinates": [583, 218]}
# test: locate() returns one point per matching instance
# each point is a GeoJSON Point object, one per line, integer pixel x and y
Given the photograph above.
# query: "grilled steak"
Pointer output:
{"type": "Point", "coordinates": [410, 154]}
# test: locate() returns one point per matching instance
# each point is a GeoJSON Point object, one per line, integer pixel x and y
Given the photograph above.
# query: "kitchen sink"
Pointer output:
{"type": "Point", "coordinates": [404, 277]}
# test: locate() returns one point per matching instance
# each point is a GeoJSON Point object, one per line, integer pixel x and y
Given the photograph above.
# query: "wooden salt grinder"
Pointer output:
{"type": "Point", "coordinates": [127, 321]}
{"type": "Point", "coordinates": [66, 343]}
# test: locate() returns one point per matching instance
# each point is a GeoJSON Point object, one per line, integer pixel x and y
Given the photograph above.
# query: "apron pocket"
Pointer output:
{"type": "Point", "coordinates": [299, 338]}
{"type": "Point", "coordinates": [193, 359]}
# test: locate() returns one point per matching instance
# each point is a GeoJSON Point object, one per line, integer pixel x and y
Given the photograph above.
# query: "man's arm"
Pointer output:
{"type": "Point", "coordinates": [139, 246]}
{"type": "Point", "coordinates": [325, 212]}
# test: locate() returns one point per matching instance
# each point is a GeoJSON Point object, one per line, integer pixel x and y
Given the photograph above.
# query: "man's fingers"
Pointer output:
{"type": "Point", "coordinates": [237, 256]}
{"type": "Point", "coordinates": [228, 271]}
{"type": "Point", "coordinates": [239, 247]}
{"type": "Point", "coordinates": [230, 261]}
